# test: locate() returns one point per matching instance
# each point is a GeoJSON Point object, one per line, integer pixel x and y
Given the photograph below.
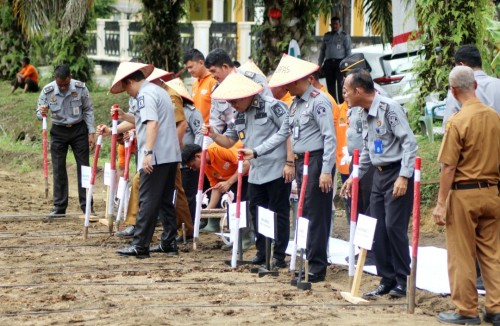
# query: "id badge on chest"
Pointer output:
{"type": "Point", "coordinates": [377, 144]}
{"type": "Point", "coordinates": [296, 132]}
{"type": "Point", "coordinates": [359, 126]}
{"type": "Point", "coordinates": [76, 110]}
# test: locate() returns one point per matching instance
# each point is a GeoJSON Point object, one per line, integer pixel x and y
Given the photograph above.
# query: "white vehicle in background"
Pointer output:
{"type": "Point", "coordinates": [392, 72]}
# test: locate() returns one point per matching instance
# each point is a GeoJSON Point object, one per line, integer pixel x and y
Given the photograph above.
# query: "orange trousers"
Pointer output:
{"type": "Point", "coordinates": [473, 229]}
{"type": "Point", "coordinates": [181, 204]}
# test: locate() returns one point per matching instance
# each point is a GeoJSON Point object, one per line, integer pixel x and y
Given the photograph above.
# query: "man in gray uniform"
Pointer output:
{"type": "Point", "coordinates": [158, 156]}
{"type": "Point", "coordinates": [389, 144]}
{"type": "Point", "coordinates": [335, 47]}
{"type": "Point", "coordinates": [311, 122]}
{"type": "Point", "coordinates": [487, 87]}
{"type": "Point", "coordinates": [72, 115]}
{"type": "Point", "coordinates": [260, 117]}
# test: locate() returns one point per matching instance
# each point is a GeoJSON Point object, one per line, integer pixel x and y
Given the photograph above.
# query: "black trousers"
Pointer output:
{"type": "Point", "coordinates": [275, 196]}
{"type": "Point", "coordinates": [392, 255]}
{"type": "Point", "coordinates": [365, 190]}
{"type": "Point", "coordinates": [334, 79]}
{"type": "Point", "coordinates": [156, 198]}
{"type": "Point", "coordinates": [318, 210]}
{"type": "Point", "coordinates": [190, 185]}
{"type": "Point", "coordinates": [32, 86]}
{"type": "Point", "coordinates": [61, 138]}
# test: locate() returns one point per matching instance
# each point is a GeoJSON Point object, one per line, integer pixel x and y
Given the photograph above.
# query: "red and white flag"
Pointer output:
{"type": "Point", "coordinates": [404, 26]}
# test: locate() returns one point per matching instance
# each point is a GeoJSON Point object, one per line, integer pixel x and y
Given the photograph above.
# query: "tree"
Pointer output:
{"type": "Point", "coordinates": [283, 21]}
{"type": "Point", "coordinates": [66, 21]}
{"type": "Point", "coordinates": [162, 43]}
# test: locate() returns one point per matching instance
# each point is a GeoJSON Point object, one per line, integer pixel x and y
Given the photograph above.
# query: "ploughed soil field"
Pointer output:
{"type": "Point", "coordinates": [51, 276]}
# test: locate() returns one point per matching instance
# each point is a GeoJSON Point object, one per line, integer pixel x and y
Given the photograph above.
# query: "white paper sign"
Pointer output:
{"type": "Point", "coordinates": [365, 230]}
{"type": "Point", "coordinates": [243, 214]}
{"type": "Point", "coordinates": [86, 173]}
{"type": "Point", "coordinates": [121, 188]}
{"type": "Point", "coordinates": [302, 230]}
{"type": "Point", "coordinates": [107, 174]}
{"type": "Point", "coordinates": [265, 222]}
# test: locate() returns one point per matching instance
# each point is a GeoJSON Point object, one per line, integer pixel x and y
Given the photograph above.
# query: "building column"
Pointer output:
{"type": "Point", "coordinates": [245, 41]}
{"type": "Point", "coordinates": [100, 37]}
{"type": "Point", "coordinates": [218, 11]}
{"type": "Point", "coordinates": [124, 39]}
{"type": "Point", "coordinates": [202, 35]}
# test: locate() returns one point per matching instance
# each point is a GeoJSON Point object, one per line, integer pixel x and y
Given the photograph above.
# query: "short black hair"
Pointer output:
{"type": "Point", "coordinates": [218, 58]}
{"type": "Point", "coordinates": [62, 71]}
{"type": "Point", "coordinates": [316, 75]}
{"type": "Point", "coordinates": [236, 63]}
{"type": "Point", "coordinates": [26, 60]}
{"type": "Point", "coordinates": [335, 18]}
{"type": "Point", "coordinates": [189, 152]}
{"type": "Point", "coordinates": [469, 55]}
{"type": "Point", "coordinates": [136, 75]}
{"type": "Point", "coordinates": [361, 78]}
{"type": "Point", "coordinates": [193, 55]}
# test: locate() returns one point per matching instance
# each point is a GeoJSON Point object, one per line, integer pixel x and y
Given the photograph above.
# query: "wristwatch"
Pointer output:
{"type": "Point", "coordinates": [146, 152]}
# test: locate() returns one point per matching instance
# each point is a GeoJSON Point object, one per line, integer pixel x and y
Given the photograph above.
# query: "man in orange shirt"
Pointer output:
{"type": "Point", "coordinates": [204, 83]}
{"type": "Point", "coordinates": [27, 78]}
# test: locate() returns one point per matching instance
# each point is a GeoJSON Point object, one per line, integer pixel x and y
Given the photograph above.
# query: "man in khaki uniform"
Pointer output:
{"type": "Point", "coordinates": [469, 202]}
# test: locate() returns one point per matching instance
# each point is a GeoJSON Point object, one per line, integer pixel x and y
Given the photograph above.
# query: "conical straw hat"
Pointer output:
{"type": "Point", "coordinates": [125, 69]}
{"type": "Point", "coordinates": [291, 69]}
{"type": "Point", "coordinates": [180, 88]}
{"type": "Point", "coordinates": [160, 73]}
{"type": "Point", "coordinates": [236, 86]}
{"type": "Point", "coordinates": [251, 66]}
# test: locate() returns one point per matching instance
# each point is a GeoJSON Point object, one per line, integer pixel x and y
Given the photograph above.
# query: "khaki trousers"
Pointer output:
{"type": "Point", "coordinates": [473, 229]}
{"type": "Point", "coordinates": [181, 205]}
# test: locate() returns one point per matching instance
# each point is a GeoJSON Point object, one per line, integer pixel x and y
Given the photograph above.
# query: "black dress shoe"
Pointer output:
{"type": "Point", "coordinates": [136, 251]}
{"type": "Point", "coordinates": [170, 250]}
{"type": "Point", "coordinates": [278, 263]}
{"type": "Point", "coordinates": [258, 260]}
{"type": "Point", "coordinates": [493, 318]}
{"type": "Point", "coordinates": [398, 292]}
{"type": "Point", "coordinates": [457, 319]}
{"type": "Point", "coordinates": [380, 290]}
{"type": "Point", "coordinates": [57, 212]}
{"type": "Point", "coordinates": [127, 233]}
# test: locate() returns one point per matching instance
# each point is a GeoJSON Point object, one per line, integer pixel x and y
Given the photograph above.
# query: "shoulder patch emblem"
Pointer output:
{"type": "Point", "coordinates": [278, 110]}
{"type": "Point", "coordinates": [80, 84]}
{"type": "Point", "coordinates": [393, 119]}
{"type": "Point", "coordinates": [320, 111]}
{"type": "Point", "coordinates": [249, 74]}
{"type": "Point", "coordinates": [197, 123]}
{"type": "Point", "coordinates": [314, 93]}
{"type": "Point", "coordinates": [140, 103]}
{"type": "Point", "coordinates": [48, 89]}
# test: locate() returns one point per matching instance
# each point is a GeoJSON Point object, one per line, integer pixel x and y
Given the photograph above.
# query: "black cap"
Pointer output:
{"type": "Point", "coordinates": [355, 60]}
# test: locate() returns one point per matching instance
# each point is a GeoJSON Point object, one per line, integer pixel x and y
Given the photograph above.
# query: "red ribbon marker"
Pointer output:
{"type": "Point", "coordinates": [123, 206]}
{"type": "Point", "coordinates": [236, 229]}
{"type": "Point", "coordinates": [199, 193]}
{"type": "Point", "coordinates": [415, 236]}
{"type": "Point", "coordinates": [112, 177]}
{"type": "Point", "coordinates": [354, 209]}
{"type": "Point", "coordinates": [45, 146]}
{"type": "Point", "coordinates": [303, 187]}
{"type": "Point", "coordinates": [91, 188]}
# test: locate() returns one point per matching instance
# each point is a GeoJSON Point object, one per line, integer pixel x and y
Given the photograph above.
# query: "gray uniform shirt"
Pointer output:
{"type": "Point", "coordinates": [387, 121]}
{"type": "Point", "coordinates": [222, 114]}
{"type": "Point", "coordinates": [68, 108]}
{"type": "Point", "coordinates": [311, 122]}
{"type": "Point", "coordinates": [194, 119]}
{"type": "Point", "coordinates": [335, 46]}
{"type": "Point", "coordinates": [152, 103]}
{"type": "Point", "coordinates": [488, 91]}
{"type": "Point", "coordinates": [253, 127]}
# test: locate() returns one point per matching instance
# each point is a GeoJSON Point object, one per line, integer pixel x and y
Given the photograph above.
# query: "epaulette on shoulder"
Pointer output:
{"type": "Point", "coordinates": [315, 93]}
{"type": "Point", "coordinates": [249, 74]}
{"type": "Point", "coordinates": [48, 89]}
{"type": "Point", "coordinates": [79, 84]}
{"type": "Point", "coordinates": [190, 107]}
{"type": "Point", "coordinates": [383, 106]}
{"type": "Point", "coordinates": [215, 86]}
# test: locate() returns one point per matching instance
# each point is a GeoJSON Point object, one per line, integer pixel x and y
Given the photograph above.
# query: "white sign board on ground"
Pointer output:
{"type": "Point", "coordinates": [121, 188]}
{"type": "Point", "coordinates": [265, 222]}
{"type": "Point", "coordinates": [243, 214]}
{"type": "Point", "coordinates": [107, 174]}
{"type": "Point", "coordinates": [86, 173]}
{"type": "Point", "coordinates": [302, 230]}
{"type": "Point", "coordinates": [365, 230]}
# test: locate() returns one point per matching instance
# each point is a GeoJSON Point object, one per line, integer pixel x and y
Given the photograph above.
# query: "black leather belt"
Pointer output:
{"type": "Point", "coordinates": [68, 126]}
{"type": "Point", "coordinates": [473, 185]}
{"type": "Point", "coordinates": [389, 166]}
{"type": "Point", "coordinates": [300, 156]}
